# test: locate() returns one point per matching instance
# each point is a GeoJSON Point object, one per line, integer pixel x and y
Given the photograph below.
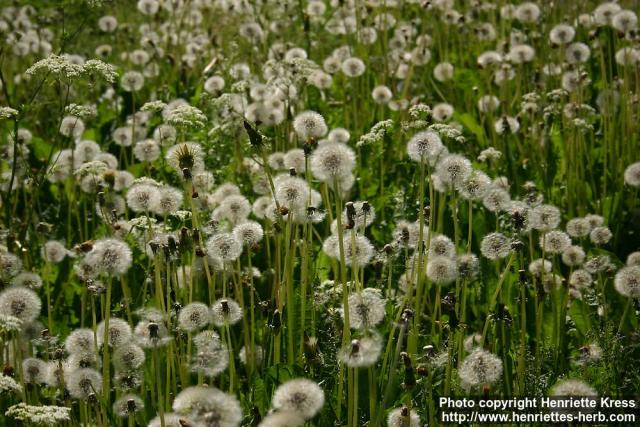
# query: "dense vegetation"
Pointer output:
{"type": "Point", "coordinates": [314, 212]}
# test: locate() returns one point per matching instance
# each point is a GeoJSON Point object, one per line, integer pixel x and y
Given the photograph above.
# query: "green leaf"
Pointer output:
{"type": "Point", "coordinates": [469, 122]}
{"type": "Point", "coordinates": [579, 312]}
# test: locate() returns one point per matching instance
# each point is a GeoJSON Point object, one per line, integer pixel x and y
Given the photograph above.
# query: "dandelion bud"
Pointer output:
{"type": "Point", "coordinates": [8, 371]}
{"type": "Point", "coordinates": [308, 147]}
{"type": "Point", "coordinates": [172, 244]}
{"type": "Point", "coordinates": [276, 322]}
{"type": "Point", "coordinates": [409, 377]}
{"type": "Point", "coordinates": [153, 330]}
{"type": "Point", "coordinates": [407, 315]}
{"type": "Point", "coordinates": [516, 245]}
{"type": "Point", "coordinates": [186, 173]}
{"type": "Point", "coordinates": [58, 354]}
{"type": "Point", "coordinates": [522, 276]}
{"type": "Point", "coordinates": [355, 347]}
{"type": "Point", "coordinates": [429, 350]}
{"type": "Point", "coordinates": [405, 359]}
{"type": "Point", "coordinates": [449, 302]}
{"type": "Point", "coordinates": [154, 247]}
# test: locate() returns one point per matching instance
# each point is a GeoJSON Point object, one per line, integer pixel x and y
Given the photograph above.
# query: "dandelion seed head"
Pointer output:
{"type": "Point", "coordinates": [301, 396]}
{"type": "Point", "coordinates": [332, 161]}
{"type": "Point", "coordinates": [475, 186]}
{"type": "Point", "coordinates": [339, 135]}
{"type": "Point", "coordinates": [248, 232]}
{"type": "Point", "coordinates": [143, 198]}
{"type": "Point", "coordinates": [151, 334]}
{"type": "Point", "coordinates": [625, 56]}
{"type": "Point", "coordinates": [128, 404]}
{"type": "Point", "coordinates": [562, 34]}
{"type": "Point", "coordinates": [366, 308]}
{"type": "Point", "coordinates": [110, 256]}
{"type": "Point", "coordinates": [403, 417]}
{"type": "Point", "coordinates": [572, 387]}
{"type": "Point", "coordinates": [544, 217]}
{"type": "Point", "coordinates": [170, 419]}
{"type": "Point", "coordinates": [79, 341]}
{"type": "Point", "coordinates": [54, 251]}
{"type": "Point", "coordinates": [527, 12]}
{"type": "Point", "coordinates": [119, 332]}
{"type": "Point", "coordinates": [632, 175]}
{"type": "Point", "coordinates": [82, 360]}
{"type": "Point", "coordinates": [425, 147]}
{"type": "Point", "coordinates": [128, 357]}
{"type": "Point", "coordinates": [211, 359]}
{"type": "Point", "coordinates": [600, 235]}
{"type": "Point", "coordinates": [506, 125]}
{"type": "Point", "coordinates": [209, 406]}
{"type": "Point", "coordinates": [226, 312]}
{"type": "Point", "coordinates": [362, 352]}
{"type": "Point", "coordinates": [442, 245]}
{"type": "Point", "coordinates": [480, 368]}
{"type": "Point", "coordinates": [83, 382]}
{"type": "Point", "coordinates": [578, 227]}
{"type": "Point", "coordinates": [282, 419]}
{"type": "Point", "coordinates": [453, 169]}
{"type": "Point", "coordinates": [573, 256]}
{"type": "Point", "coordinates": [468, 266]}
{"type": "Point", "coordinates": [580, 279]}
{"type": "Point", "coordinates": [627, 281]}
{"type": "Point", "coordinates": [495, 246]}
{"type": "Point", "coordinates": [146, 150]}
{"type": "Point", "coordinates": [443, 72]}
{"type": "Point", "coordinates": [633, 259]}
{"type": "Point", "coordinates": [72, 127]}
{"type": "Point", "coordinates": [291, 192]}
{"type": "Point", "coordinates": [577, 53]}
{"type": "Point", "coordinates": [309, 125]}
{"type": "Point", "coordinates": [603, 14]}
{"type": "Point", "coordinates": [34, 371]}
{"type": "Point", "coordinates": [234, 208]}
{"type": "Point", "coordinates": [442, 269]}
{"type": "Point", "coordinates": [381, 94]}
{"type": "Point", "coordinates": [555, 241]}
{"type": "Point", "coordinates": [132, 81]}
{"type": "Point", "coordinates": [295, 158]}
{"type": "Point", "coordinates": [21, 303]}
{"type": "Point", "coordinates": [27, 280]}
{"type": "Point", "coordinates": [224, 246]}
{"type": "Point", "coordinates": [194, 316]}
{"type": "Point", "coordinates": [10, 264]}
{"type": "Point", "coordinates": [496, 199]}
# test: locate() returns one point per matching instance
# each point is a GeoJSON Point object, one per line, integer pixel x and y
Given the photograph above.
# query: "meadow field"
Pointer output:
{"type": "Point", "coordinates": [282, 213]}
